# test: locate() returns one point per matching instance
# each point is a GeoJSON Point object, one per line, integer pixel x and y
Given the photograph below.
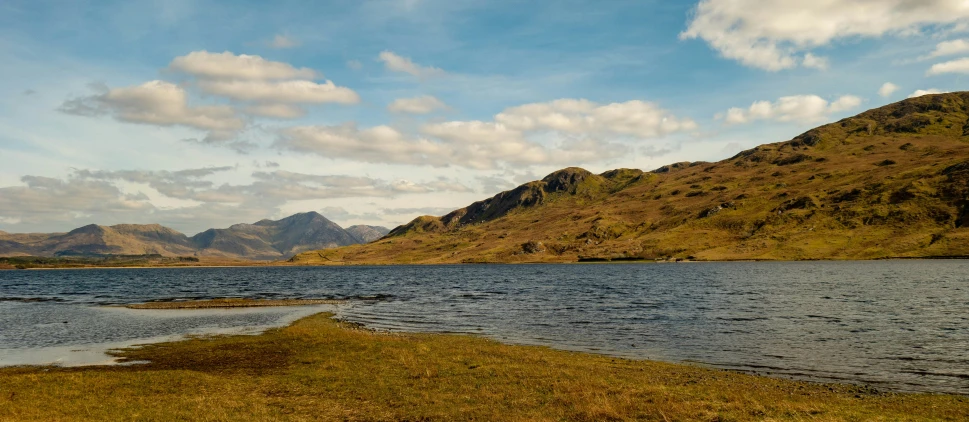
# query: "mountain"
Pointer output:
{"type": "Point", "coordinates": [367, 234]}
{"type": "Point", "coordinates": [268, 239]}
{"type": "Point", "coordinates": [263, 240]}
{"type": "Point", "coordinates": [889, 182]}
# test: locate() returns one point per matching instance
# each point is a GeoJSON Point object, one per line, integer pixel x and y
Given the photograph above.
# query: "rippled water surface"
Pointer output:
{"type": "Point", "coordinates": [894, 324]}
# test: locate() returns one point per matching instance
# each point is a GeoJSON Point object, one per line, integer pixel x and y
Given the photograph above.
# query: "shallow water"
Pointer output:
{"type": "Point", "coordinates": [900, 325]}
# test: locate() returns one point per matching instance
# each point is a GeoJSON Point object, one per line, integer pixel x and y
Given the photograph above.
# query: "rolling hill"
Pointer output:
{"type": "Point", "coordinates": [263, 240]}
{"type": "Point", "coordinates": [889, 182]}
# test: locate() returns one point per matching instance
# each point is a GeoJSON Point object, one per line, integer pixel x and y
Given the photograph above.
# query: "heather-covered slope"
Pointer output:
{"type": "Point", "coordinates": [890, 182]}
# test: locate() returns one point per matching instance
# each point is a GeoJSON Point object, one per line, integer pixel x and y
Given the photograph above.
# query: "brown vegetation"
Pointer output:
{"type": "Point", "coordinates": [318, 369]}
{"type": "Point", "coordinates": [890, 182]}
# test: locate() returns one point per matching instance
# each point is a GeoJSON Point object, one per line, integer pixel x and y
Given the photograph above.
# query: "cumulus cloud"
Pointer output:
{"type": "Point", "coordinates": [887, 89]}
{"type": "Point", "coordinates": [635, 118]}
{"type": "Point", "coordinates": [952, 66]}
{"type": "Point", "coordinates": [417, 105]}
{"type": "Point", "coordinates": [780, 34]}
{"type": "Point", "coordinates": [921, 92]}
{"type": "Point", "coordinates": [226, 65]}
{"type": "Point", "coordinates": [796, 108]}
{"type": "Point", "coordinates": [380, 144]}
{"type": "Point", "coordinates": [269, 87]}
{"type": "Point", "coordinates": [482, 145]}
{"type": "Point", "coordinates": [276, 111]}
{"type": "Point", "coordinates": [816, 62]}
{"type": "Point", "coordinates": [280, 91]}
{"type": "Point", "coordinates": [469, 144]}
{"type": "Point", "coordinates": [256, 87]}
{"type": "Point", "coordinates": [396, 63]}
{"type": "Point", "coordinates": [949, 48]}
{"type": "Point", "coordinates": [573, 131]}
{"type": "Point", "coordinates": [158, 103]}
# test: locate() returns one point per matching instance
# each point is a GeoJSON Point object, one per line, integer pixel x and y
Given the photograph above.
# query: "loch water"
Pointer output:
{"type": "Point", "coordinates": [899, 325]}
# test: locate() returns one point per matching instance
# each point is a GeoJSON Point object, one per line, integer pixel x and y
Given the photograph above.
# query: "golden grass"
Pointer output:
{"type": "Point", "coordinates": [231, 303]}
{"type": "Point", "coordinates": [827, 194]}
{"type": "Point", "coordinates": [318, 369]}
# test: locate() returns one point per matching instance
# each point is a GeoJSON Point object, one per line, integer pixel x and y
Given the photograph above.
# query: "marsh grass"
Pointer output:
{"type": "Point", "coordinates": [320, 369]}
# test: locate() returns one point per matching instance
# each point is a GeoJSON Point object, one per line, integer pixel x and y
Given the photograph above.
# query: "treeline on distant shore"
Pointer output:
{"type": "Point", "coordinates": [25, 262]}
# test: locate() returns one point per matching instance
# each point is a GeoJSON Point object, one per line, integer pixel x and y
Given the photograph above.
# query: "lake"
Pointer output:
{"type": "Point", "coordinates": [900, 325]}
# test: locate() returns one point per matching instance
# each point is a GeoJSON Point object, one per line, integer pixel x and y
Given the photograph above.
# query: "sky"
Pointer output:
{"type": "Point", "coordinates": [201, 114]}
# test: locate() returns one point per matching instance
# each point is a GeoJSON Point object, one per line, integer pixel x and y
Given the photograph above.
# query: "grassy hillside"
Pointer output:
{"type": "Point", "coordinates": [890, 182]}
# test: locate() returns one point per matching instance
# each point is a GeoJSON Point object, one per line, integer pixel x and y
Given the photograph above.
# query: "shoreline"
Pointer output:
{"type": "Point", "coordinates": [278, 264]}
{"type": "Point", "coordinates": [317, 364]}
{"type": "Point", "coordinates": [230, 303]}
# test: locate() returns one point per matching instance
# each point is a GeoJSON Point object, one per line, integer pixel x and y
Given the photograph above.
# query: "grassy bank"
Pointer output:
{"type": "Point", "coordinates": [318, 369]}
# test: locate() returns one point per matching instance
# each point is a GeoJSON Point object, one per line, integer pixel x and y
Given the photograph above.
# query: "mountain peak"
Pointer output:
{"type": "Point", "coordinates": [88, 229]}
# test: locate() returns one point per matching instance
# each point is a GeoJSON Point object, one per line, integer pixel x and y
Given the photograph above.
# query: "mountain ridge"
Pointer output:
{"type": "Point", "coordinates": [889, 182]}
{"type": "Point", "coordinates": [263, 240]}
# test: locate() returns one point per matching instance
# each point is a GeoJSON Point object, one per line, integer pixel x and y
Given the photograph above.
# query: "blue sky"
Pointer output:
{"type": "Point", "coordinates": [199, 114]}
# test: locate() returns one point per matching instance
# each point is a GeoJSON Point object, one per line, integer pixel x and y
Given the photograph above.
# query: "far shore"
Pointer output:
{"type": "Point", "coordinates": [245, 264]}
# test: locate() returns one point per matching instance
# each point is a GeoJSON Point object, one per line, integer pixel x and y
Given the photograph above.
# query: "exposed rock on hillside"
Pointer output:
{"type": "Point", "coordinates": [366, 234]}
{"type": "Point", "coordinates": [889, 182]}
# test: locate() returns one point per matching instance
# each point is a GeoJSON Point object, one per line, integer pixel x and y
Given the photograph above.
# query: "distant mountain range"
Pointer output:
{"type": "Point", "coordinates": [889, 182]}
{"type": "Point", "coordinates": [263, 240]}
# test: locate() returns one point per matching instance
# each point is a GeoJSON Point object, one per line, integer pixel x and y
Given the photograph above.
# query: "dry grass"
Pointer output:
{"type": "Point", "coordinates": [318, 369]}
{"type": "Point", "coordinates": [231, 303]}
{"type": "Point", "coordinates": [827, 194]}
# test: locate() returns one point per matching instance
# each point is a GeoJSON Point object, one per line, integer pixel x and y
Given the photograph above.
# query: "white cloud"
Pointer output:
{"type": "Point", "coordinates": [949, 48]}
{"type": "Point", "coordinates": [270, 88]}
{"type": "Point", "coordinates": [577, 116]}
{"type": "Point", "coordinates": [112, 197]}
{"type": "Point", "coordinates": [226, 65]}
{"type": "Point", "coordinates": [816, 62]}
{"type": "Point", "coordinates": [477, 145]}
{"type": "Point", "coordinates": [796, 108]}
{"type": "Point", "coordinates": [921, 92]}
{"type": "Point", "coordinates": [354, 64]}
{"type": "Point", "coordinates": [42, 200]}
{"type": "Point", "coordinates": [844, 103]}
{"type": "Point", "coordinates": [283, 41]}
{"type": "Point", "coordinates": [397, 63]}
{"type": "Point", "coordinates": [276, 111]}
{"type": "Point", "coordinates": [380, 144]}
{"type": "Point", "coordinates": [952, 66]}
{"type": "Point", "coordinates": [418, 105]}
{"type": "Point", "coordinates": [481, 145]}
{"type": "Point", "coordinates": [779, 34]}
{"type": "Point", "coordinates": [158, 103]}
{"type": "Point", "coordinates": [280, 91]}
{"type": "Point", "coordinates": [566, 131]}
{"type": "Point", "coordinates": [887, 89]}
